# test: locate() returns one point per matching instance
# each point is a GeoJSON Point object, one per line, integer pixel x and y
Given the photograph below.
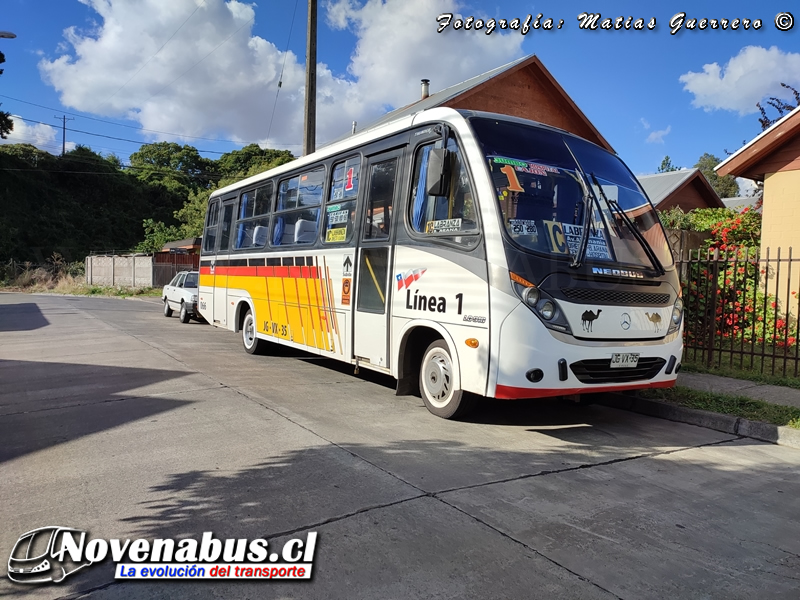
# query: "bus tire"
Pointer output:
{"type": "Point", "coordinates": [437, 383]}
{"type": "Point", "coordinates": [184, 313]}
{"type": "Point", "coordinates": [167, 309]}
{"type": "Point", "coordinates": [251, 343]}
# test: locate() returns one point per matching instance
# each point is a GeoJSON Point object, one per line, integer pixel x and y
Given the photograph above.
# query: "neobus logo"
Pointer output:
{"type": "Point", "coordinates": [39, 555]}
{"type": "Point", "coordinates": [617, 272]}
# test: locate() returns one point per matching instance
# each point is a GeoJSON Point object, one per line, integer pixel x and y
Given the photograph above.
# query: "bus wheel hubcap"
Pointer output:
{"type": "Point", "coordinates": [249, 335]}
{"type": "Point", "coordinates": [438, 378]}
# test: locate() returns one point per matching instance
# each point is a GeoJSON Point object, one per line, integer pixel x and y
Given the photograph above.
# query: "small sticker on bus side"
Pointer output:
{"type": "Point", "coordinates": [443, 226]}
{"type": "Point", "coordinates": [340, 216]}
{"type": "Point", "coordinates": [336, 235]}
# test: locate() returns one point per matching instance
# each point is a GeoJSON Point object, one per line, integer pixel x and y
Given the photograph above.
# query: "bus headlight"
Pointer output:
{"type": "Point", "coordinates": [531, 296]}
{"type": "Point", "coordinates": [548, 310]}
{"type": "Point", "coordinates": [677, 316]}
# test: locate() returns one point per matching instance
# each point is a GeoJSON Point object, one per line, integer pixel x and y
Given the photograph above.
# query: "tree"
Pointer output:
{"type": "Point", "coordinates": [726, 187]}
{"type": "Point", "coordinates": [667, 166]}
{"type": "Point", "coordinates": [250, 160]}
{"type": "Point", "coordinates": [6, 124]}
{"type": "Point", "coordinates": [781, 106]}
{"type": "Point", "coordinates": [173, 165]}
{"type": "Point", "coordinates": [156, 234]}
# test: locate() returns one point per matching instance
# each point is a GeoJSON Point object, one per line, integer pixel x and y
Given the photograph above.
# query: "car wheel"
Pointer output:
{"type": "Point", "coordinates": [184, 313]}
{"type": "Point", "coordinates": [251, 343]}
{"type": "Point", "coordinates": [437, 384]}
{"type": "Point", "coordinates": [167, 309]}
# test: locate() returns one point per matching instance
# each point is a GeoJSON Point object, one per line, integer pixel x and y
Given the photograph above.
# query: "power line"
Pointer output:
{"type": "Point", "coordinates": [202, 59]}
{"type": "Point", "coordinates": [280, 77]}
{"type": "Point", "coordinates": [110, 137]}
{"type": "Point", "coordinates": [179, 135]}
{"type": "Point", "coordinates": [157, 51]}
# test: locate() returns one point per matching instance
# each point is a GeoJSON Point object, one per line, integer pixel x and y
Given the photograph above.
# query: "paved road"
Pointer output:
{"type": "Point", "coordinates": [119, 421]}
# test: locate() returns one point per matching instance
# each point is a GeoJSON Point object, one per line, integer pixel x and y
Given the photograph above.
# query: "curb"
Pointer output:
{"type": "Point", "coordinates": [766, 432]}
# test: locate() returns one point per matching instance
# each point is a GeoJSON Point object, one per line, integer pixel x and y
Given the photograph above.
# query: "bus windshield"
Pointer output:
{"type": "Point", "coordinates": [548, 184]}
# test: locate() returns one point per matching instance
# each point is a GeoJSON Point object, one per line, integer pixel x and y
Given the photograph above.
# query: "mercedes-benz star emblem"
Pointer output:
{"type": "Point", "coordinates": [625, 322]}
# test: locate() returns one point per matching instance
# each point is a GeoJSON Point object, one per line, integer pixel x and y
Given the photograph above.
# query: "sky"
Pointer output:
{"type": "Point", "coordinates": [207, 72]}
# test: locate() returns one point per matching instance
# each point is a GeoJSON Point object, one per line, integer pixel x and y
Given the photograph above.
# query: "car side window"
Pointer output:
{"type": "Point", "coordinates": [181, 278]}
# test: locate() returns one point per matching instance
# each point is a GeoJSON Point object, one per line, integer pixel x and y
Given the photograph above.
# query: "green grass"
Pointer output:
{"type": "Point", "coordinates": [121, 292]}
{"type": "Point", "coordinates": [737, 406]}
{"type": "Point", "coordinates": [745, 372]}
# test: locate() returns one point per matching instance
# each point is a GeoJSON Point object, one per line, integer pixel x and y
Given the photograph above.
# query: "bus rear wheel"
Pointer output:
{"type": "Point", "coordinates": [251, 343]}
{"type": "Point", "coordinates": [437, 384]}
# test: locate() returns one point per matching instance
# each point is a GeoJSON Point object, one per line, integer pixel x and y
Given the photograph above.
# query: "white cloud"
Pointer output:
{"type": "Point", "coordinates": [749, 77]}
{"type": "Point", "coordinates": [746, 186]}
{"type": "Point", "coordinates": [645, 123]}
{"type": "Point", "coordinates": [657, 137]}
{"type": "Point", "coordinates": [231, 92]}
{"type": "Point", "coordinates": [40, 135]}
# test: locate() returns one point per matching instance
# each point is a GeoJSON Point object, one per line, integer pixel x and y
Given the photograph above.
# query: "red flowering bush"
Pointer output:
{"type": "Point", "coordinates": [741, 309]}
{"type": "Point", "coordinates": [740, 230]}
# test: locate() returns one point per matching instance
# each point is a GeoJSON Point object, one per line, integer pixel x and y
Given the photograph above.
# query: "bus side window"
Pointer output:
{"type": "Point", "coordinates": [452, 216]}
{"type": "Point", "coordinates": [210, 233]}
{"type": "Point", "coordinates": [340, 210]}
{"type": "Point", "coordinates": [296, 215]}
{"type": "Point", "coordinates": [253, 218]}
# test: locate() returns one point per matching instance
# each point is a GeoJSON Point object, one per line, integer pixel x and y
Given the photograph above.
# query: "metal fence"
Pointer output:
{"type": "Point", "coordinates": [741, 309]}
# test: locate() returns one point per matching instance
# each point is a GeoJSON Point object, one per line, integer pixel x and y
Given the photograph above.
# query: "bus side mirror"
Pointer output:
{"type": "Point", "coordinates": [437, 182]}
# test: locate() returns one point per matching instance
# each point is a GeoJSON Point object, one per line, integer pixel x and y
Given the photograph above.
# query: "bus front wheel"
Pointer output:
{"type": "Point", "coordinates": [251, 343]}
{"type": "Point", "coordinates": [437, 383]}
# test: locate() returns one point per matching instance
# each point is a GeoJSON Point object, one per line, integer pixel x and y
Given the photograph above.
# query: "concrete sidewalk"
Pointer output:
{"type": "Point", "coordinates": [776, 394]}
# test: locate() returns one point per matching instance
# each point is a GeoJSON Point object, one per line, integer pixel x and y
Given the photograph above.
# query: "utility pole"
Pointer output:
{"type": "Point", "coordinates": [310, 127]}
{"type": "Point", "coordinates": [64, 120]}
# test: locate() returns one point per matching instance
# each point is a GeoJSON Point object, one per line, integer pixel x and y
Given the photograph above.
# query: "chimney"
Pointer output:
{"type": "Point", "coordinates": [425, 88]}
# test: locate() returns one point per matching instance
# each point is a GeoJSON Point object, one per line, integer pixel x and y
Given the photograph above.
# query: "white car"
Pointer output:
{"type": "Point", "coordinates": [181, 294]}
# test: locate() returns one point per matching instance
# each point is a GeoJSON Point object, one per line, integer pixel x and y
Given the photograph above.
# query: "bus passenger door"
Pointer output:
{"type": "Point", "coordinates": [221, 266]}
{"type": "Point", "coordinates": [373, 292]}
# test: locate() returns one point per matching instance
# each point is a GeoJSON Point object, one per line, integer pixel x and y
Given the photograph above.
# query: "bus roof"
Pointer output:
{"type": "Point", "coordinates": [380, 131]}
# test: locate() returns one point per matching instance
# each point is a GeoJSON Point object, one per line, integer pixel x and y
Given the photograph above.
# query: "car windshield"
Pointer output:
{"type": "Point", "coordinates": [191, 280]}
{"type": "Point", "coordinates": [548, 184]}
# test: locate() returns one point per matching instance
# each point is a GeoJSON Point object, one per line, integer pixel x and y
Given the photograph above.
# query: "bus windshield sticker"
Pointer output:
{"type": "Point", "coordinates": [443, 226]}
{"type": "Point", "coordinates": [565, 238]}
{"type": "Point", "coordinates": [334, 207]}
{"type": "Point", "coordinates": [336, 235]}
{"type": "Point", "coordinates": [523, 227]}
{"type": "Point", "coordinates": [340, 216]}
{"type": "Point", "coordinates": [525, 167]}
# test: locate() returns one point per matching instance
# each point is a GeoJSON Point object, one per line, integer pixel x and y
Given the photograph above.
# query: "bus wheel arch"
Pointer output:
{"type": "Point", "coordinates": [242, 308]}
{"type": "Point", "coordinates": [428, 365]}
{"type": "Point", "coordinates": [246, 324]}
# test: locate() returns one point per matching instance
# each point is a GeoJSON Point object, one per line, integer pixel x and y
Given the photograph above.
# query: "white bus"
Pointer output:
{"type": "Point", "coordinates": [463, 253]}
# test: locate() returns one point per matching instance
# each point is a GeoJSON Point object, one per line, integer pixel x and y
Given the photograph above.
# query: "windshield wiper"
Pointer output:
{"type": "Point", "coordinates": [588, 203]}
{"type": "Point", "coordinates": [648, 250]}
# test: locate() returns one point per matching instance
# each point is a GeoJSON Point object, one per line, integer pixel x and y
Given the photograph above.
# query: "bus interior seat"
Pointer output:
{"type": "Point", "coordinates": [288, 234]}
{"type": "Point", "coordinates": [305, 232]}
{"type": "Point", "coordinates": [260, 236]}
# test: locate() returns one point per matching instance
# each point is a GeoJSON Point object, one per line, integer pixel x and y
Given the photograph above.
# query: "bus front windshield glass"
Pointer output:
{"type": "Point", "coordinates": [550, 185]}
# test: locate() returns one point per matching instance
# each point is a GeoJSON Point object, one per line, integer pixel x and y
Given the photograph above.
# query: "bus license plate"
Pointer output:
{"type": "Point", "coordinates": [624, 360]}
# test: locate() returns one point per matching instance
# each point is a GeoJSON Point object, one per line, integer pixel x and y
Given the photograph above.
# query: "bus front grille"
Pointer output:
{"type": "Point", "coordinates": [601, 296]}
{"type": "Point", "coordinates": [600, 371]}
